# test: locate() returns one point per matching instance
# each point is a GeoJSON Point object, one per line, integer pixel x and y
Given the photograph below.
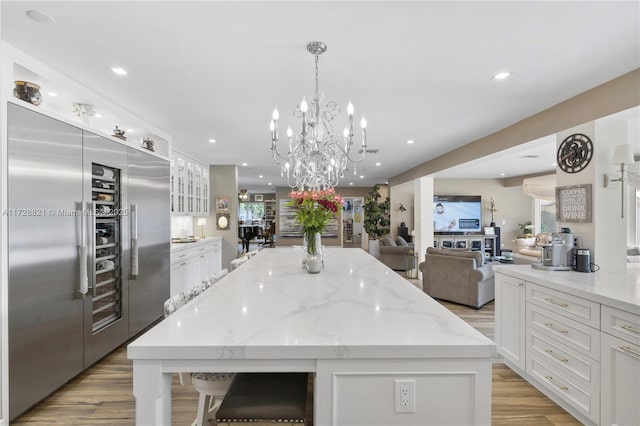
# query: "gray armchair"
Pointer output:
{"type": "Point", "coordinates": [396, 253]}
{"type": "Point", "coordinates": [458, 276]}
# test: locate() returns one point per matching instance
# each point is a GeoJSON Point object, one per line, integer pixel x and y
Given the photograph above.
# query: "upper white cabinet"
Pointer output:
{"type": "Point", "coordinates": [189, 186]}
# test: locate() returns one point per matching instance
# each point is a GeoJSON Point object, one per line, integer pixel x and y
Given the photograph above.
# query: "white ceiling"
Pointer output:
{"type": "Point", "coordinates": [417, 70]}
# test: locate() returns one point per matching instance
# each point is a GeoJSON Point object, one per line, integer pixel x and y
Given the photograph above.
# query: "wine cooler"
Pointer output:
{"type": "Point", "coordinates": [89, 258]}
{"type": "Point", "coordinates": [106, 261]}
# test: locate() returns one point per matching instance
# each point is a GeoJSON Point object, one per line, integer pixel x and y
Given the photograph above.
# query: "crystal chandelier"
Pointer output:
{"type": "Point", "coordinates": [316, 159]}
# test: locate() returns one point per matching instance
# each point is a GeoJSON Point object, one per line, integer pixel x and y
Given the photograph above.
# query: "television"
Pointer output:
{"type": "Point", "coordinates": [457, 214]}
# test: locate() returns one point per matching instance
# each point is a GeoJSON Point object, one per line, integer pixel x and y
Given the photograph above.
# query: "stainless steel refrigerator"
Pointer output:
{"type": "Point", "coordinates": [88, 233]}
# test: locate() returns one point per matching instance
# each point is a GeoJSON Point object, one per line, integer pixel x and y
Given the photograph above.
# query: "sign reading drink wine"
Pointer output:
{"type": "Point", "coordinates": [573, 203]}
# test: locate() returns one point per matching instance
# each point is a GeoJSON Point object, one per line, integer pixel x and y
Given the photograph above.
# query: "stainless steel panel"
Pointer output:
{"type": "Point", "coordinates": [148, 191]}
{"type": "Point", "coordinates": [99, 343]}
{"type": "Point", "coordinates": [45, 308]}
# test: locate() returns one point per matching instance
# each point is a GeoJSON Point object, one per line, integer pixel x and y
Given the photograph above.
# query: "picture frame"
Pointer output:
{"type": "Point", "coordinates": [489, 230]}
{"type": "Point", "coordinates": [223, 221]}
{"type": "Point", "coordinates": [222, 204]}
{"type": "Point", "coordinates": [258, 197]}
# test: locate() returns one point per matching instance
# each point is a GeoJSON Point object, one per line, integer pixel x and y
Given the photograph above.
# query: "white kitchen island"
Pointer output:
{"type": "Point", "coordinates": [357, 325]}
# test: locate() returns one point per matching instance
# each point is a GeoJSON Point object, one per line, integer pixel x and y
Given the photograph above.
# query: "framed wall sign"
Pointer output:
{"type": "Point", "coordinates": [573, 203]}
{"type": "Point", "coordinates": [258, 197]}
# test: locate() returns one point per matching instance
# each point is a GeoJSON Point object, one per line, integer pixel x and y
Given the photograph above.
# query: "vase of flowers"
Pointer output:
{"type": "Point", "coordinates": [315, 209]}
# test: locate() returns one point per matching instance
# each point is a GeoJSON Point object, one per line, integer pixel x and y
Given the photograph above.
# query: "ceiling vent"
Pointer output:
{"type": "Point", "coordinates": [369, 151]}
{"type": "Point", "coordinates": [530, 156]}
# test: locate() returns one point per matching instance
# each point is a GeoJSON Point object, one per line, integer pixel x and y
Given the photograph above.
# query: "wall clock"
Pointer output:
{"type": "Point", "coordinates": [574, 153]}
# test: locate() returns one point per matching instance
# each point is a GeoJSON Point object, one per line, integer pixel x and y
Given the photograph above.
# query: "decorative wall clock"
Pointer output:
{"type": "Point", "coordinates": [574, 153]}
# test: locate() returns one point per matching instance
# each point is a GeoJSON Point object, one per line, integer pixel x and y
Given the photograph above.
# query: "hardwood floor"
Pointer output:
{"type": "Point", "coordinates": [102, 395]}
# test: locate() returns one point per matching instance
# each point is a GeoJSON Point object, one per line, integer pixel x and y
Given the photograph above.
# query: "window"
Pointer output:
{"type": "Point", "coordinates": [249, 212]}
{"type": "Point", "coordinates": [545, 216]}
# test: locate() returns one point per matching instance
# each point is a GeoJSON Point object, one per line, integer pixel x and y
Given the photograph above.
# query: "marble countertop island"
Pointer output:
{"type": "Point", "coordinates": [357, 325]}
{"type": "Point", "coordinates": [271, 308]}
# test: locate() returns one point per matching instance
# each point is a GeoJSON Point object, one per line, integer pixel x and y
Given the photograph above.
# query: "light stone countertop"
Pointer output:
{"type": "Point", "coordinates": [617, 289]}
{"type": "Point", "coordinates": [176, 247]}
{"type": "Point", "coordinates": [270, 308]}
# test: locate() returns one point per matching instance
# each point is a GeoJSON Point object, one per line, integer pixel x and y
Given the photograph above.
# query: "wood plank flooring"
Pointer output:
{"type": "Point", "coordinates": [102, 395]}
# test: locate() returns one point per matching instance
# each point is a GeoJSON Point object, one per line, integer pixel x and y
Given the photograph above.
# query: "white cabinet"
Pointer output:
{"type": "Point", "coordinates": [189, 186]}
{"type": "Point", "coordinates": [510, 319]}
{"type": "Point", "coordinates": [190, 264]}
{"type": "Point", "coordinates": [579, 351]}
{"type": "Point", "coordinates": [620, 359]}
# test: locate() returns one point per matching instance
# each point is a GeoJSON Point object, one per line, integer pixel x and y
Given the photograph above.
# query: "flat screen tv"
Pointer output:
{"type": "Point", "coordinates": [457, 214]}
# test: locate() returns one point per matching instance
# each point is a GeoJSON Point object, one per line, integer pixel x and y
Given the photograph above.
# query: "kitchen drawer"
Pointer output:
{"type": "Point", "coordinates": [576, 308]}
{"type": "Point", "coordinates": [621, 324]}
{"type": "Point", "coordinates": [584, 399]}
{"type": "Point", "coordinates": [182, 255]}
{"type": "Point", "coordinates": [573, 364]}
{"type": "Point", "coordinates": [574, 334]}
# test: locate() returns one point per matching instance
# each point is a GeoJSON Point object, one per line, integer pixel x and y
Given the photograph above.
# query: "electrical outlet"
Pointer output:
{"type": "Point", "coordinates": [405, 396]}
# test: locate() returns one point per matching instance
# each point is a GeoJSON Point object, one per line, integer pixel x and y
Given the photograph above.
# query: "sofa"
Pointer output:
{"type": "Point", "coordinates": [396, 253]}
{"type": "Point", "coordinates": [458, 276]}
{"type": "Point", "coordinates": [525, 251]}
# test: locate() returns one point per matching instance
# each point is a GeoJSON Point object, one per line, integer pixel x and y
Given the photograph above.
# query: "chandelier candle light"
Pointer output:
{"type": "Point", "coordinates": [316, 160]}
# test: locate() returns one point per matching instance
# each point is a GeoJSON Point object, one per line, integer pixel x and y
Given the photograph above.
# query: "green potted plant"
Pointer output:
{"type": "Point", "coordinates": [376, 217]}
{"type": "Point", "coordinates": [525, 229]}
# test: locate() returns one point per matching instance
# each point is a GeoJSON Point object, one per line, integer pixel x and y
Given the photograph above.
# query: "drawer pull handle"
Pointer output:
{"type": "Point", "coordinates": [182, 255]}
{"type": "Point", "coordinates": [630, 328]}
{"type": "Point", "coordinates": [629, 350]}
{"type": "Point", "coordinates": [561, 304]}
{"type": "Point", "coordinates": [183, 263]}
{"type": "Point", "coordinates": [553, 382]}
{"type": "Point", "coordinates": [558, 357]}
{"type": "Point", "coordinates": [556, 328]}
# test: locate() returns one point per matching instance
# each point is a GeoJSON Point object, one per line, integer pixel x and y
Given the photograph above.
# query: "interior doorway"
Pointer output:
{"type": "Point", "coordinates": [352, 222]}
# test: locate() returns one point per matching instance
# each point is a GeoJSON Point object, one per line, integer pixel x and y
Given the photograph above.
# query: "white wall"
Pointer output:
{"type": "Point", "coordinates": [404, 194]}
{"type": "Point", "coordinates": [512, 205]}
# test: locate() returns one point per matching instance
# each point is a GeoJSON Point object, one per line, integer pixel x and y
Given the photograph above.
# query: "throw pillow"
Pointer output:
{"type": "Point", "coordinates": [401, 241]}
{"type": "Point", "coordinates": [387, 241]}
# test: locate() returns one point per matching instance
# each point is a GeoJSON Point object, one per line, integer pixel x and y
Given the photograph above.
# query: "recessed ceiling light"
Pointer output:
{"type": "Point", "coordinates": [269, 184]}
{"type": "Point", "coordinates": [554, 164]}
{"type": "Point", "coordinates": [39, 17]}
{"type": "Point", "coordinates": [53, 94]}
{"type": "Point", "coordinates": [361, 176]}
{"type": "Point", "coordinates": [260, 176]}
{"type": "Point", "coordinates": [244, 164]}
{"type": "Point", "coordinates": [386, 182]}
{"type": "Point", "coordinates": [212, 141]}
{"type": "Point", "coordinates": [501, 75]}
{"type": "Point", "coordinates": [410, 141]}
{"type": "Point", "coordinates": [377, 164]}
{"type": "Point", "coordinates": [130, 130]}
{"type": "Point", "coordinates": [350, 183]}
{"type": "Point", "coordinates": [119, 71]}
{"type": "Point", "coordinates": [98, 115]}
{"type": "Point", "coordinates": [501, 174]}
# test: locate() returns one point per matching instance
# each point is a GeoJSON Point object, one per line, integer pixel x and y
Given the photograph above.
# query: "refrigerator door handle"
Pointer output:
{"type": "Point", "coordinates": [134, 240]}
{"type": "Point", "coordinates": [83, 253]}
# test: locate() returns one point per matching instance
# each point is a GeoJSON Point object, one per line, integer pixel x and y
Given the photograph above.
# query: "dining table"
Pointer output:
{"type": "Point", "coordinates": [382, 352]}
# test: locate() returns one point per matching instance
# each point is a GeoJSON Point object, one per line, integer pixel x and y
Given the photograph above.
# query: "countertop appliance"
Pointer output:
{"type": "Point", "coordinates": [89, 233]}
{"type": "Point", "coordinates": [583, 260]}
{"type": "Point", "coordinates": [557, 254]}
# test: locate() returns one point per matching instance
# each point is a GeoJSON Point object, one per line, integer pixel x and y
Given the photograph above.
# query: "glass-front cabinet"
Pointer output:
{"type": "Point", "coordinates": [189, 186]}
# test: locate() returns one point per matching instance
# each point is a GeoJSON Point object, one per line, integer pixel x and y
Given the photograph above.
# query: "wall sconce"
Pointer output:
{"type": "Point", "coordinates": [201, 223]}
{"type": "Point", "coordinates": [243, 196]}
{"type": "Point", "coordinates": [622, 154]}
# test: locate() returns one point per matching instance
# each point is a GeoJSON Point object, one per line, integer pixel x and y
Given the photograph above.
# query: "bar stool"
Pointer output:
{"type": "Point", "coordinates": [264, 399]}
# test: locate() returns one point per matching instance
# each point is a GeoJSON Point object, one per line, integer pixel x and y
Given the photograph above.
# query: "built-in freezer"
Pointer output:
{"type": "Point", "coordinates": [89, 234]}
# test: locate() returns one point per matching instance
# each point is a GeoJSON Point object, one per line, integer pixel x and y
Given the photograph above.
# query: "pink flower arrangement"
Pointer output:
{"type": "Point", "coordinates": [315, 208]}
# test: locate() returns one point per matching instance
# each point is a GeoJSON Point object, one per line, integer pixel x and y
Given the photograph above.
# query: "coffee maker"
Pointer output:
{"type": "Point", "coordinates": [557, 251]}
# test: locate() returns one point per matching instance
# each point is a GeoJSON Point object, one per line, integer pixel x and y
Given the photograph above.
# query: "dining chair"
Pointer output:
{"type": "Point", "coordinates": [212, 387]}
{"type": "Point", "coordinates": [268, 235]}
